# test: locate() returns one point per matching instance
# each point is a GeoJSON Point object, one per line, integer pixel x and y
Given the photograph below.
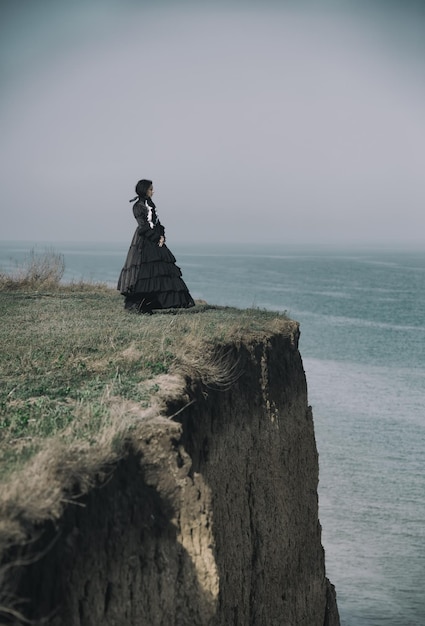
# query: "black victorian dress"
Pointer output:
{"type": "Point", "coordinates": [150, 278]}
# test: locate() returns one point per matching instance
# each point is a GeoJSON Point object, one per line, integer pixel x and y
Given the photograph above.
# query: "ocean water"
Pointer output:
{"type": "Point", "coordinates": [362, 316]}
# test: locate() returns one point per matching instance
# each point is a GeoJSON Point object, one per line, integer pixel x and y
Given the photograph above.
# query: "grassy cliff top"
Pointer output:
{"type": "Point", "coordinates": [72, 360]}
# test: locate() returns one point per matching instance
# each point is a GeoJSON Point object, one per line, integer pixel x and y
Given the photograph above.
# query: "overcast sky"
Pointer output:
{"type": "Point", "coordinates": [257, 121]}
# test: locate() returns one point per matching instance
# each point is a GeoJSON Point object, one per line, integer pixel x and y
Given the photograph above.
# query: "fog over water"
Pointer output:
{"type": "Point", "coordinates": [257, 121]}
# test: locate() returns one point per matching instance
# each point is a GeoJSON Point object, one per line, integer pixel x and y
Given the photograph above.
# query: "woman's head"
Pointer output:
{"type": "Point", "coordinates": [144, 189]}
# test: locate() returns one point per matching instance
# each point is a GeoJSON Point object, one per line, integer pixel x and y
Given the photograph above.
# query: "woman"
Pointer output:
{"type": "Point", "coordinates": [150, 278]}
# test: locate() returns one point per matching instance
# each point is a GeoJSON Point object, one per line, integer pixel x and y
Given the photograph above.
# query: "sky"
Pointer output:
{"type": "Point", "coordinates": [258, 121]}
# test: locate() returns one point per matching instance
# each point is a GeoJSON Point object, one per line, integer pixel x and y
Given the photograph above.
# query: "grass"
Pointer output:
{"type": "Point", "coordinates": [67, 357]}
{"type": "Point", "coordinates": [74, 365]}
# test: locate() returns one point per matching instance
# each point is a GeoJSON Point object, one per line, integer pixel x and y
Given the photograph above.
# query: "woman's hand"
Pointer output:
{"type": "Point", "coordinates": [161, 241]}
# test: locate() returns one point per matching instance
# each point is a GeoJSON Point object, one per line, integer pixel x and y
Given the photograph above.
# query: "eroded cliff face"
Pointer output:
{"type": "Point", "coordinates": [210, 517]}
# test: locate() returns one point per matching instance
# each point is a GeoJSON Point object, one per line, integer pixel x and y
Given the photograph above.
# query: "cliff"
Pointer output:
{"type": "Point", "coordinates": [207, 516]}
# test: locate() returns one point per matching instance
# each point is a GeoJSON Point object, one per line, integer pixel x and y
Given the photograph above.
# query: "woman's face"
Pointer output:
{"type": "Point", "coordinates": [149, 192]}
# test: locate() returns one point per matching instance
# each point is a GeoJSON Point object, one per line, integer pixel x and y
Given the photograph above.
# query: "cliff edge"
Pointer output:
{"type": "Point", "coordinates": [207, 516]}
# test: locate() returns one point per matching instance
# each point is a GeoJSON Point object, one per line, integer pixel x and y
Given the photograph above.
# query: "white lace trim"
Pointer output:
{"type": "Point", "coordinates": [149, 208]}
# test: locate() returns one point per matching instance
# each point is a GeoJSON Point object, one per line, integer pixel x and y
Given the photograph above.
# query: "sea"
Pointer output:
{"type": "Point", "coordinates": [362, 320]}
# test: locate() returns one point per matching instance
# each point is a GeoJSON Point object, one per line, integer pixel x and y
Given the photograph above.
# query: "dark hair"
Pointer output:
{"type": "Point", "coordinates": [142, 188]}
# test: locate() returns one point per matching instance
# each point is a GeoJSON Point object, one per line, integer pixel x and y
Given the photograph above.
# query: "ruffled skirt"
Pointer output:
{"type": "Point", "coordinates": [150, 278]}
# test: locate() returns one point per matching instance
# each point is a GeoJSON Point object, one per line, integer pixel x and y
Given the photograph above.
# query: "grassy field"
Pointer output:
{"type": "Point", "coordinates": [72, 360]}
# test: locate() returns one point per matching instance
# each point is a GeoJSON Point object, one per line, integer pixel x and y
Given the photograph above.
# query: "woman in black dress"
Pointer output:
{"type": "Point", "coordinates": [150, 278]}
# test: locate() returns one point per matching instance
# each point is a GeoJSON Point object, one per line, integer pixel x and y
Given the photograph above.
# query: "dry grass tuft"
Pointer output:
{"type": "Point", "coordinates": [55, 475]}
{"type": "Point", "coordinates": [39, 270]}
